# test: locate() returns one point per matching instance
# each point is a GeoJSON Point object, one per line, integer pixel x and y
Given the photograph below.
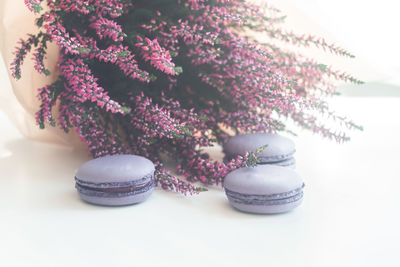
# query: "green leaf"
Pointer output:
{"type": "Point", "coordinates": [253, 159]}
{"type": "Point", "coordinates": [178, 70]}
{"type": "Point", "coordinates": [91, 8]}
{"type": "Point", "coordinates": [178, 136]}
{"type": "Point", "coordinates": [203, 118]}
{"type": "Point", "coordinates": [152, 77]}
{"type": "Point", "coordinates": [126, 110]}
{"type": "Point", "coordinates": [187, 131]}
{"type": "Point", "coordinates": [46, 72]}
{"type": "Point", "coordinates": [37, 8]}
{"type": "Point", "coordinates": [260, 150]}
{"type": "Point", "coordinates": [153, 140]}
{"type": "Point", "coordinates": [322, 67]}
{"type": "Point", "coordinates": [83, 50]}
{"type": "Point", "coordinates": [123, 54]}
{"type": "Point", "coordinates": [39, 21]}
{"type": "Point", "coordinates": [201, 189]}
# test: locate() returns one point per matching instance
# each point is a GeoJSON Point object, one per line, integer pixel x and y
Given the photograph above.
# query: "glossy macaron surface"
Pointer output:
{"type": "Point", "coordinates": [279, 147]}
{"type": "Point", "coordinates": [264, 189]}
{"type": "Point", "coordinates": [115, 180]}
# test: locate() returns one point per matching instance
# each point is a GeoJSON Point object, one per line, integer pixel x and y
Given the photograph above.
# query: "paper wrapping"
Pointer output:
{"type": "Point", "coordinates": [20, 103]}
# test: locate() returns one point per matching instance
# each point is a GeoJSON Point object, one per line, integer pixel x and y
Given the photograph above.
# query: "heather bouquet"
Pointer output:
{"type": "Point", "coordinates": [163, 78]}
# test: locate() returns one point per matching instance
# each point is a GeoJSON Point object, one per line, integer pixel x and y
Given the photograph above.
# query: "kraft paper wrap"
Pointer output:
{"type": "Point", "coordinates": [21, 103]}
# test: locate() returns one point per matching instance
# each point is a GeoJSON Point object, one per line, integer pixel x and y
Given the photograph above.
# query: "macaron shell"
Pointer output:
{"type": "Point", "coordinates": [114, 169]}
{"type": "Point", "coordinates": [264, 209]}
{"type": "Point", "coordinates": [263, 180]}
{"type": "Point", "coordinates": [279, 147]}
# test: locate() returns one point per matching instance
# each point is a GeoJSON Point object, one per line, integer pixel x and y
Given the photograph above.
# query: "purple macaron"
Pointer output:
{"type": "Point", "coordinates": [264, 189]}
{"type": "Point", "coordinates": [280, 149]}
{"type": "Point", "coordinates": [115, 180]}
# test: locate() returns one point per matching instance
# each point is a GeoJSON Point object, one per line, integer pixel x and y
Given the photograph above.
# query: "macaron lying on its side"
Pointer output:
{"type": "Point", "coordinates": [115, 180]}
{"type": "Point", "coordinates": [279, 150]}
{"type": "Point", "coordinates": [264, 189]}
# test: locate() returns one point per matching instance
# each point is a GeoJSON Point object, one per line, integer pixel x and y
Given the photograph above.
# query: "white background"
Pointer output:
{"type": "Point", "coordinates": [350, 215]}
{"type": "Point", "coordinates": [369, 29]}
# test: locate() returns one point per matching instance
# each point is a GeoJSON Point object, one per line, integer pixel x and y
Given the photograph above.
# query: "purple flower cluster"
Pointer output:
{"type": "Point", "coordinates": [167, 181]}
{"type": "Point", "coordinates": [20, 53]}
{"type": "Point", "coordinates": [157, 55]}
{"type": "Point", "coordinates": [82, 85]}
{"type": "Point", "coordinates": [155, 121]}
{"type": "Point", "coordinates": [112, 8]}
{"type": "Point", "coordinates": [106, 28]}
{"type": "Point", "coordinates": [164, 78]}
{"type": "Point", "coordinates": [44, 115]}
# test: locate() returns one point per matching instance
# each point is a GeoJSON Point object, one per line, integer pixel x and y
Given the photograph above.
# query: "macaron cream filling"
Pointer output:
{"type": "Point", "coordinates": [276, 158]}
{"type": "Point", "coordinates": [267, 159]}
{"type": "Point", "coordinates": [115, 189]}
{"type": "Point", "coordinates": [266, 200]}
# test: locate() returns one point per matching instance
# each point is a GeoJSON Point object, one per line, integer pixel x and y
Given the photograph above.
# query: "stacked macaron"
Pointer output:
{"type": "Point", "coordinates": [269, 187]}
{"type": "Point", "coordinates": [115, 180]}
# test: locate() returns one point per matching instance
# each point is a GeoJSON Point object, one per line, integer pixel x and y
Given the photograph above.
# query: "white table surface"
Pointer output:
{"type": "Point", "coordinates": [349, 217]}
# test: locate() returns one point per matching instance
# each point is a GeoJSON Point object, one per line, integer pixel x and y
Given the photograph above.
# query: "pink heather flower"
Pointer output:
{"type": "Point", "coordinates": [108, 28]}
{"type": "Point", "coordinates": [39, 55]}
{"type": "Point", "coordinates": [158, 56]}
{"type": "Point", "coordinates": [99, 141]}
{"type": "Point", "coordinates": [230, 83]}
{"type": "Point", "coordinates": [87, 47]}
{"type": "Point", "coordinates": [64, 115]}
{"type": "Point", "coordinates": [44, 114]}
{"type": "Point", "coordinates": [171, 182]}
{"type": "Point", "coordinates": [155, 121]}
{"type": "Point", "coordinates": [123, 58]}
{"type": "Point", "coordinates": [20, 55]}
{"type": "Point", "coordinates": [113, 8]}
{"type": "Point", "coordinates": [25, 46]}
{"type": "Point", "coordinates": [84, 85]}
{"type": "Point", "coordinates": [81, 6]}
